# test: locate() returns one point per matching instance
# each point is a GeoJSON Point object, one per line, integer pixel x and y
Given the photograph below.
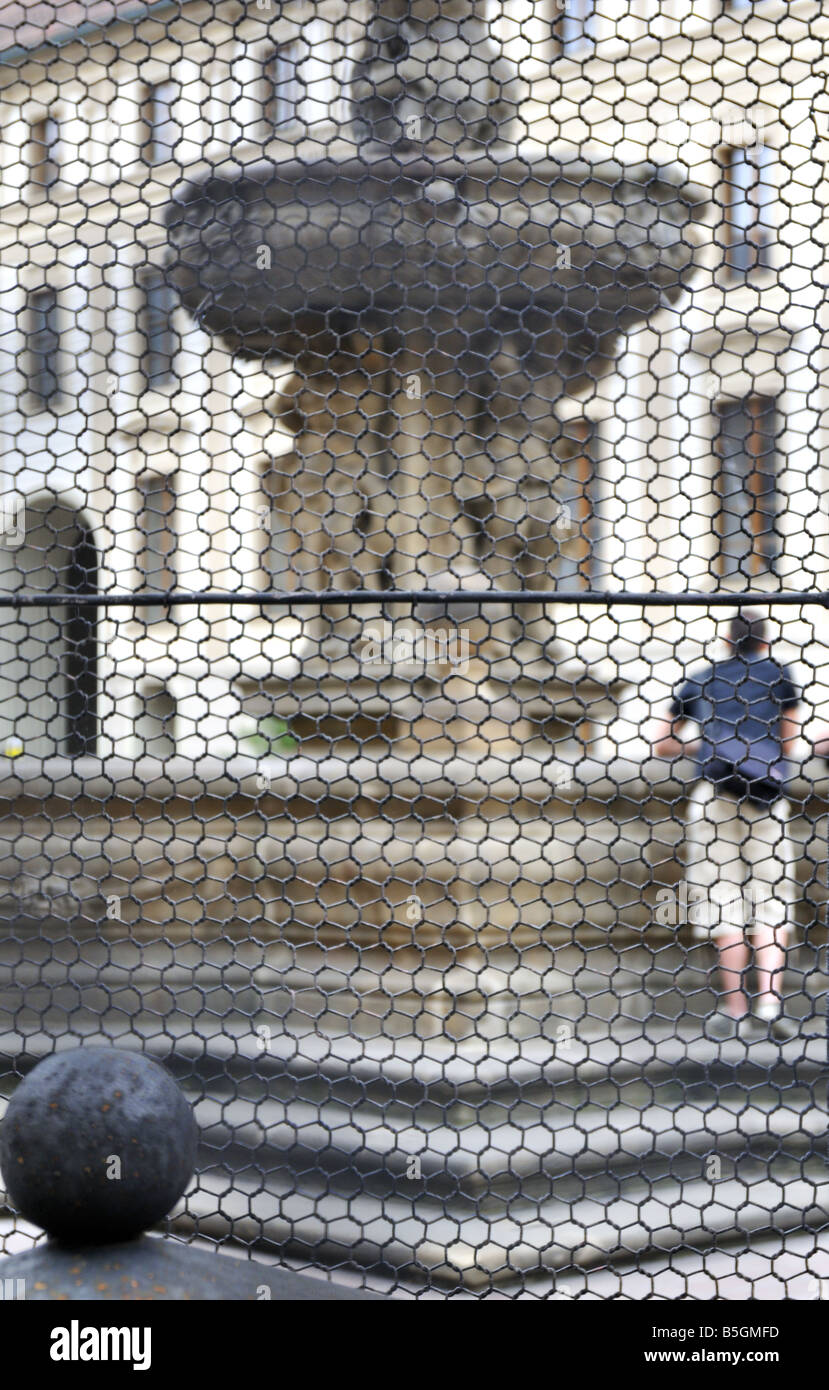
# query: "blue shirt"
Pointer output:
{"type": "Point", "coordinates": [738, 704]}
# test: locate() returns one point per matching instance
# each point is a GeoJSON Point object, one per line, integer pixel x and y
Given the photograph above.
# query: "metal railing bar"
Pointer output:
{"type": "Point", "coordinates": [452, 599]}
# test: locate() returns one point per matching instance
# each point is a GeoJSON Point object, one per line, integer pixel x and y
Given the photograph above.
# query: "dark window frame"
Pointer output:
{"type": "Point", "coordinates": [160, 343]}
{"type": "Point", "coordinates": [81, 660]}
{"type": "Point", "coordinates": [43, 152]}
{"type": "Point", "coordinates": [276, 87]}
{"type": "Point", "coordinates": [747, 232]}
{"type": "Point", "coordinates": [753, 446]}
{"type": "Point", "coordinates": [158, 117]}
{"type": "Point", "coordinates": [159, 542]}
{"type": "Point", "coordinates": [42, 353]}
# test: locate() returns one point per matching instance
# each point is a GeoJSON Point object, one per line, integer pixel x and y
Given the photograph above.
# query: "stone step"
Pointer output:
{"type": "Point", "coordinates": [390, 1235]}
{"type": "Point", "coordinates": [427, 851]}
{"type": "Point", "coordinates": [517, 999]}
{"type": "Point", "coordinates": [304, 1147]}
{"type": "Point", "coordinates": [476, 773]}
{"type": "Point", "coordinates": [214, 1046]}
{"type": "Point", "coordinates": [772, 1268]}
{"type": "Point", "coordinates": [570, 1224]}
{"type": "Point", "coordinates": [494, 876]}
{"type": "Point", "coordinates": [567, 1031]}
{"type": "Point", "coordinates": [469, 1150]}
{"type": "Point", "coordinates": [587, 984]}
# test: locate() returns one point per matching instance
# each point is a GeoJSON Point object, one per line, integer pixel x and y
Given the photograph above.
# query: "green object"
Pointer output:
{"type": "Point", "coordinates": [272, 736]}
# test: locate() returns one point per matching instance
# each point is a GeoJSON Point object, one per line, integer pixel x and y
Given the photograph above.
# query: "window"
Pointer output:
{"type": "Point", "coordinates": [49, 654]}
{"type": "Point", "coordinates": [162, 130]}
{"type": "Point", "coordinates": [157, 540]}
{"type": "Point", "coordinates": [574, 526]}
{"type": "Point", "coordinates": [43, 151]}
{"type": "Point", "coordinates": [578, 28]}
{"type": "Point", "coordinates": [748, 193]}
{"type": "Point", "coordinates": [283, 87]}
{"type": "Point", "coordinates": [156, 326]}
{"type": "Point", "coordinates": [42, 335]}
{"type": "Point", "coordinates": [746, 486]}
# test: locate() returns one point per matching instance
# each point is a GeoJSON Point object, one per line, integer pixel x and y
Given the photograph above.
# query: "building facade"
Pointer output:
{"type": "Point", "coordinates": [138, 454]}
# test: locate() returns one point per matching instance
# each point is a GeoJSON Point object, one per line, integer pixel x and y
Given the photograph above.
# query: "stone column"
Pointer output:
{"type": "Point", "coordinates": [336, 494]}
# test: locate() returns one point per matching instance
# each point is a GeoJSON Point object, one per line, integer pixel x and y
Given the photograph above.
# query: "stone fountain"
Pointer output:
{"type": "Point", "coordinates": [430, 250]}
{"type": "Point", "coordinates": [447, 300]}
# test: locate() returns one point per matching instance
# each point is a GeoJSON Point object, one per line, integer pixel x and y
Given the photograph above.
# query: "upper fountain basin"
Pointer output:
{"type": "Point", "coordinates": [561, 256]}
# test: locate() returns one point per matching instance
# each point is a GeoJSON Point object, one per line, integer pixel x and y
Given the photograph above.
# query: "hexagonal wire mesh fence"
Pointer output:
{"type": "Point", "coordinates": [413, 582]}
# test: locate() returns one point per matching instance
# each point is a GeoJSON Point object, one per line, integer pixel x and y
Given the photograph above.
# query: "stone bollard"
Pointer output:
{"type": "Point", "coordinates": [98, 1144]}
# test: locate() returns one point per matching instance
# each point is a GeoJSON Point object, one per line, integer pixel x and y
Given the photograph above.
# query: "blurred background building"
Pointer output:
{"type": "Point", "coordinates": [239, 805]}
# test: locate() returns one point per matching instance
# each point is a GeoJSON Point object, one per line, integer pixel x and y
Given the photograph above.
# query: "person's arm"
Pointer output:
{"type": "Point", "coordinates": [665, 742]}
{"type": "Point", "coordinates": [790, 732]}
{"type": "Point", "coordinates": [821, 744]}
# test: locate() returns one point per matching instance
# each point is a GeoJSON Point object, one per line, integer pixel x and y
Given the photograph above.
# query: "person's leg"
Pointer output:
{"type": "Point", "coordinates": [728, 905]}
{"type": "Point", "coordinates": [770, 960]}
{"type": "Point", "coordinates": [734, 959]}
{"type": "Point", "coordinates": [715, 876]}
{"type": "Point", "coordinates": [770, 854]}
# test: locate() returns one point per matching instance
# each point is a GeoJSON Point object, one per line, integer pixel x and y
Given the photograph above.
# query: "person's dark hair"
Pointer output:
{"type": "Point", "coordinates": [747, 633]}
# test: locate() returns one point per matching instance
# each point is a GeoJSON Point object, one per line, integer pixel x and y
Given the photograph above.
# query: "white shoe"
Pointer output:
{"type": "Point", "coordinates": [775, 1026]}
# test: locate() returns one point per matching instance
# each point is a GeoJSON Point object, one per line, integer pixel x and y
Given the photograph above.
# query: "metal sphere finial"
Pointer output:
{"type": "Point", "coordinates": [97, 1144]}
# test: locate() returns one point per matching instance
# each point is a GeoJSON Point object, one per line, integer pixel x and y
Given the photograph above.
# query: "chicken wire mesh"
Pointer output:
{"type": "Point", "coordinates": [413, 585]}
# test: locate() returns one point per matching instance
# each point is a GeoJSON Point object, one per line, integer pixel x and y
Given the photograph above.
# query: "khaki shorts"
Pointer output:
{"type": "Point", "coordinates": [739, 863]}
